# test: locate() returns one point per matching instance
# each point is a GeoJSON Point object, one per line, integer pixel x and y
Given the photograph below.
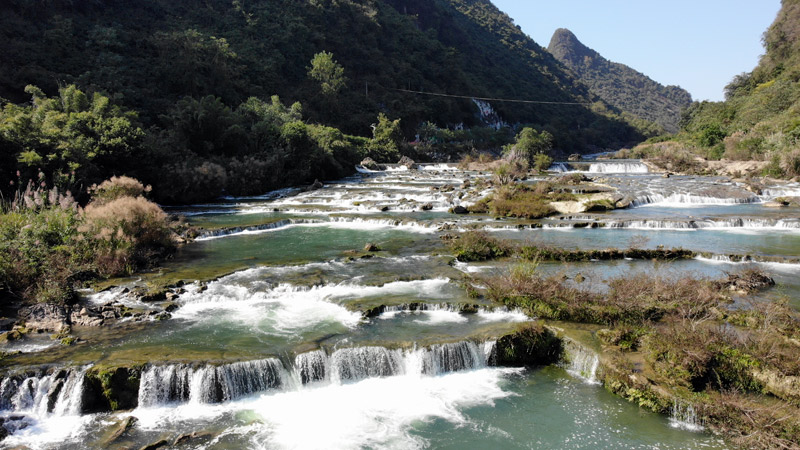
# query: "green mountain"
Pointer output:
{"type": "Point", "coordinates": [620, 85]}
{"type": "Point", "coordinates": [193, 79]}
{"type": "Point", "coordinates": [760, 117]}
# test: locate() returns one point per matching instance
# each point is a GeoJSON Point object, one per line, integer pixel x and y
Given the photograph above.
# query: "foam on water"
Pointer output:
{"type": "Point", "coordinates": [682, 200]}
{"type": "Point", "coordinates": [288, 309]}
{"type": "Point", "coordinates": [612, 167]}
{"type": "Point", "coordinates": [355, 397]}
{"type": "Point", "coordinates": [684, 416]}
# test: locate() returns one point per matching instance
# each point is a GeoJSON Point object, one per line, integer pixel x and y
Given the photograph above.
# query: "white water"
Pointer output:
{"type": "Point", "coordinates": [208, 384]}
{"type": "Point", "coordinates": [681, 200]}
{"type": "Point", "coordinates": [286, 309]}
{"type": "Point", "coordinates": [50, 406]}
{"type": "Point", "coordinates": [717, 225]}
{"type": "Point", "coordinates": [611, 167]}
{"type": "Point", "coordinates": [684, 416]}
{"type": "Point", "coordinates": [371, 413]}
{"type": "Point", "coordinates": [559, 167]}
{"type": "Point", "coordinates": [580, 361]}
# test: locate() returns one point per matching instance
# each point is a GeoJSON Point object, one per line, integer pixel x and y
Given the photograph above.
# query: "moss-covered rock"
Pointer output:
{"type": "Point", "coordinates": [531, 345]}
{"type": "Point", "coordinates": [116, 388]}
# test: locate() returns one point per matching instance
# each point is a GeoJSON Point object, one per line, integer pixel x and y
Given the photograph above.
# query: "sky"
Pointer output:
{"type": "Point", "coordinates": [698, 45]}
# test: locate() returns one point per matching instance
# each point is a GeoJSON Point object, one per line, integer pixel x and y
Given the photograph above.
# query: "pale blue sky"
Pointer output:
{"type": "Point", "coordinates": [698, 45]}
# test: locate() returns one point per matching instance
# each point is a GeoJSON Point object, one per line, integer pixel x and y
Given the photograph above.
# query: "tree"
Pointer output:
{"type": "Point", "coordinates": [327, 72]}
{"type": "Point", "coordinates": [387, 138]}
{"type": "Point", "coordinates": [528, 144]}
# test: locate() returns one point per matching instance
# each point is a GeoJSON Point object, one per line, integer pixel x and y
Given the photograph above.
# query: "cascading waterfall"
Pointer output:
{"type": "Point", "coordinates": [690, 199]}
{"type": "Point", "coordinates": [211, 234]}
{"type": "Point", "coordinates": [208, 384]}
{"type": "Point", "coordinates": [358, 363]}
{"type": "Point", "coordinates": [721, 224]}
{"type": "Point", "coordinates": [626, 167]}
{"type": "Point", "coordinates": [559, 167]}
{"type": "Point", "coordinates": [684, 416]}
{"type": "Point", "coordinates": [214, 384]}
{"type": "Point", "coordinates": [312, 366]}
{"type": "Point", "coordinates": [59, 393]}
{"type": "Point", "coordinates": [580, 361]}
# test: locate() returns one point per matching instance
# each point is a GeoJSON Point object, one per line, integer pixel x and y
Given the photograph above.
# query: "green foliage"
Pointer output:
{"type": "Point", "coordinates": [155, 54]}
{"type": "Point", "coordinates": [519, 200]}
{"type": "Point", "coordinates": [758, 118]}
{"type": "Point", "coordinates": [529, 144]}
{"type": "Point", "coordinates": [330, 74]}
{"type": "Point", "coordinates": [48, 247]}
{"type": "Point", "coordinates": [71, 137]}
{"type": "Point", "coordinates": [478, 246]}
{"type": "Point", "coordinates": [387, 140]}
{"type": "Point", "coordinates": [710, 135]}
{"type": "Point", "coordinates": [542, 162]}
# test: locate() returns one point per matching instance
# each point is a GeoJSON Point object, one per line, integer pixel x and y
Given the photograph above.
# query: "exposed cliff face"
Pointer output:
{"type": "Point", "coordinates": [620, 85]}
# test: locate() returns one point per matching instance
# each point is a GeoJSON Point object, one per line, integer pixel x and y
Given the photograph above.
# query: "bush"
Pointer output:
{"type": "Point", "coordinates": [116, 187]}
{"type": "Point", "coordinates": [542, 162]}
{"type": "Point", "coordinates": [478, 246]}
{"type": "Point", "coordinates": [130, 232]}
{"type": "Point", "coordinates": [790, 163]}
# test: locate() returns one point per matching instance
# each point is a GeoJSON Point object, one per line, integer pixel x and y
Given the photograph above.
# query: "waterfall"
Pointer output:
{"type": "Point", "coordinates": [353, 364]}
{"type": "Point", "coordinates": [559, 167]}
{"type": "Point", "coordinates": [177, 383]}
{"type": "Point", "coordinates": [453, 357]}
{"type": "Point", "coordinates": [358, 363]}
{"type": "Point", "coordinates": [581, 362]}
{"type": "Point", "coordinates": [678, 199]}
{"type": "Point", "coordinates": [211, 234]}
{"type": "Point", "coordinates": [684, 416]}
{"type": "Point", "coordinates": [59, 393]}
{"type": "Point", "coordinates": [311, 366]}
{"type": "Point", "coordinates": [615, 167]}
{"type": "Point", "coordinates": [208, 384]}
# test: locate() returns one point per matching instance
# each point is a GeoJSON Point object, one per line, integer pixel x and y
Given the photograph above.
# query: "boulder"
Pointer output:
{"type": "Point", "coordinates": [407, 162]}
{"type": "Point", "coordinates": [158, 295]}
{"type": "Point", "coordinates": [196, 438]}
{"type": "Point", "coordinates": [371, 247]}
{"type": "Point", "coordinates": [7, 324]}
{"type": "Point", "coordinates": [370, 164]}
{"type": "Point", "coordinates": [45, 317]}
{"type": "Point", "coordinates": [315, 185]}
{"type": "Point", "coordinates": [427, 207]}
{"type": "Point", "coordinates": [460, 210]}
{"type": "Point", "coordinates": [575, 157]}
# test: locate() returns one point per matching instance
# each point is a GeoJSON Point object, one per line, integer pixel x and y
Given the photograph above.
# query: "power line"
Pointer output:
{"type": "Point", "coordinates": [539, 102]}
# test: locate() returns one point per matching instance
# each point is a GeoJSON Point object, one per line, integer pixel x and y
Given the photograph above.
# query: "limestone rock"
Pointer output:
{"type": "Point", "coordinates": [407, 162]}
{"type": "Point", "coordinates": [45, 317]}
{"type": "Point", "coordinates": [370, 164]}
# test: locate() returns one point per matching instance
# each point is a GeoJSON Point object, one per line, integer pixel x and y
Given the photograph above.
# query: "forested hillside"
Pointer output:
{"type": "Point", "coordinates": [193, 82]}
{"type": "Point", "coordinates": [620, 85]}
{"type": "Point", "coordinates": [760, 117]}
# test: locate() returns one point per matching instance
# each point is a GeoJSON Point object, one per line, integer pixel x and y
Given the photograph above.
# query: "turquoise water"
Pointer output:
{"type": "Point", "coordinates": [277, 297]}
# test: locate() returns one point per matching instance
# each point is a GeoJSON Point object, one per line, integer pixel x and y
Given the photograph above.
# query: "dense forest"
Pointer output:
{"type": "Point", "coordinates": [620, 85]}
{"type": "Point", "coordinates": [201, 98]}
{"type": "Point", "coordinates": [760, 117]}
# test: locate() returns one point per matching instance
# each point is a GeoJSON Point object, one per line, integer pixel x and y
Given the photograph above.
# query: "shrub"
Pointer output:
{"type": "Point", "coordinates": [129, 231]}
{"type": "Point", "coordinates": [542, 162]}
{"type": "Point", "coordinates": [790, 163]}
{"type": "Point", "coordinates": [116, 187]}
{"type": "Point", "coordinates": [479, 246]}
